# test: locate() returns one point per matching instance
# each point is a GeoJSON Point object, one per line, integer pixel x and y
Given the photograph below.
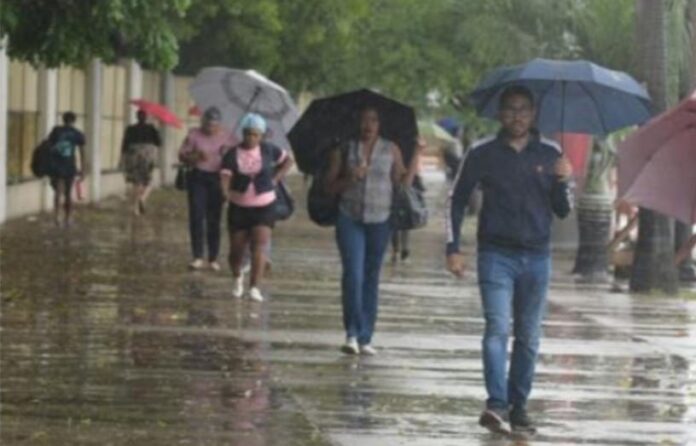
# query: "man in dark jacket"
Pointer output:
{"type": "Point", "coordinates": [525, 180]}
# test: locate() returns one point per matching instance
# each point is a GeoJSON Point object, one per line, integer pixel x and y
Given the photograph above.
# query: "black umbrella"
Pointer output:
{"type": "Point", "coordinates": [332, 120]}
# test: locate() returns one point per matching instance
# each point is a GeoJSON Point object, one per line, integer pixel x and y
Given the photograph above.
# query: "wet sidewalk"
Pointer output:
{"type": "Point", "coordinates": [107, 339]}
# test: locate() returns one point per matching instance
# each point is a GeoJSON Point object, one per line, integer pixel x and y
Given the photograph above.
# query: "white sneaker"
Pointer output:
{"type": "Point", "coordinates": [255, 294]}
{"type": "Point", "coordinates": [368, 350]}
{"type": "Point", "coordinates": [238, 287]}
{"type": "Point", "coordinates": [196, 264]}
{"type": "Point", "coordinates": [215, 266]}
{"type": "Point", "coordinates": [350, 347]}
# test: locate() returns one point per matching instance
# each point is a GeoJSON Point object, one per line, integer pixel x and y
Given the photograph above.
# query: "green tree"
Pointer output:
{"type": "Point", "coordinates": [56, 32]}
{"type": "Point", "coordinates": [235, 33]}
{"type": "Point", "coordinates": [601, 27]}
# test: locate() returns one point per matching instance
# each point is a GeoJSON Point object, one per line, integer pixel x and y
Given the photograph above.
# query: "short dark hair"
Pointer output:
{"type": "Point", "coordinates": [69, 118]}
{"type": "Point", "coordinates": [212, 114]}
{"type": "Point", "coordinates": [516, 90]}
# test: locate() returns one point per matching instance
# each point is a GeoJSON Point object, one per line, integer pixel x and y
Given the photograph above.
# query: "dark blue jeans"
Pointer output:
{"type": "Point", "coordinates": [205, 210]}
{"type": "Point", "coordinates": [513, 285]}
{"type": "Point", "coordinates": [362, 247]}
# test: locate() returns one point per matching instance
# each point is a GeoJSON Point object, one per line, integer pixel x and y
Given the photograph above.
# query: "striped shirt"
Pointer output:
{"type": "Point", "coordinates": [369, 200]}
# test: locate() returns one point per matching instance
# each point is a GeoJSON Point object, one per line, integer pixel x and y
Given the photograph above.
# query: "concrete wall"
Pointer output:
{"type": "Point", "coordinates": [100, 96]}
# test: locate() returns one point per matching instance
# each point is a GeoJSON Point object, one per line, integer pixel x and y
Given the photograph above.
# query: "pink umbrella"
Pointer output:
{"type": "Point", "coordinates": [657, 163]}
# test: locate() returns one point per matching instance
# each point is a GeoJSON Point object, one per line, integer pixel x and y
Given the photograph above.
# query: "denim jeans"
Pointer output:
{"type": "Point", "coordinates": [205, 211]}
{"type": "Point", "coordinates": [362, 247]}
{"type": "Point", "coordinates": [513, 284]}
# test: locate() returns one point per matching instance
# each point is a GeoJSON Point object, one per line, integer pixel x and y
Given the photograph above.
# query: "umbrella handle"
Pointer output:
{"type": "Point", "coordinates": [257, 93]}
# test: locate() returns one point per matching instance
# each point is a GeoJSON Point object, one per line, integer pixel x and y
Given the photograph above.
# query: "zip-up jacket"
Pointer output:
{"type": "Point", "coordinates": [520, 194]}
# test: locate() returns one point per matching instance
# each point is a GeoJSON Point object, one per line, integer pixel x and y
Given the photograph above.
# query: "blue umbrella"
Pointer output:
{"type": "Point", "coordinates": [450, 124]}
{"type": "Point", "coordinates": [571, 96]}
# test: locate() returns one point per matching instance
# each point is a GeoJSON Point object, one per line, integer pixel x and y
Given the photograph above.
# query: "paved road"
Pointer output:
{"type": "Point", "coordinates": [108, 340]}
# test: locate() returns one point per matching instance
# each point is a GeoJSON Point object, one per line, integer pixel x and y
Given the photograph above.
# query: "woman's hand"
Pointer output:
{"type": "Point", "coordinates": [358, 173]}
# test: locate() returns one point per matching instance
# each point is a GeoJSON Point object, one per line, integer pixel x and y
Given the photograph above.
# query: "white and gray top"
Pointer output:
{"type": "Point", "coordinates": [369, 200]}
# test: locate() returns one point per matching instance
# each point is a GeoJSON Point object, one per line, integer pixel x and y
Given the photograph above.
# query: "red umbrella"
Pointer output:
{"type": "Point", "coordinates": [158, 111]}
{"type": "Point", "coordinates": [657, 163]}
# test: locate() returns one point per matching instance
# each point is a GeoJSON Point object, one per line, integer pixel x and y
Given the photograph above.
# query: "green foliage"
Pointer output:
{"type": "Point", "coordinates": [429, 53]}
{"type": "Point", "coordinates": [56, 32]}
{"type": "Point", "coordinates": [605, 30]}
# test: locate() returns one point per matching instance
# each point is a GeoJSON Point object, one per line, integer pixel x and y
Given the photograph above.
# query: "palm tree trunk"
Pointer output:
{"type": "Point", "coordinates": [653, 267]}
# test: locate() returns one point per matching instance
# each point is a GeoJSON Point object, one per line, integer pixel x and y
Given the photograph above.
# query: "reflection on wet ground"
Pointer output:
{"type": "Point", "coordinates": [108, 340]}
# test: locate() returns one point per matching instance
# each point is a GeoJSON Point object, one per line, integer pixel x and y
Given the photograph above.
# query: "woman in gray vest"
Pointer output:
{"type": "Point", "coordinates": [364, 184]}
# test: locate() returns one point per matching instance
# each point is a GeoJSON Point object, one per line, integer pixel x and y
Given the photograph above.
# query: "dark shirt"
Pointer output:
{"type": "Point", "coordinates": [140, 134]}
{"type": "Point", "coordinates": [520, 194]}
{"type": "Point", "coordinates": [263, 180]}
{"type": "Point", "coordinates": [64, 142]}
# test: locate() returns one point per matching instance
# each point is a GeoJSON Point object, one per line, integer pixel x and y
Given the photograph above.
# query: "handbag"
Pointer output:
{"type": "Point", "coordinates": [322, 206]}
{"type": "Point", "coordinates": [284, 205]}
{"type": "Point", "coordinates": [409, 210]}
{"type": "Point", "coordinates": [182, 173]}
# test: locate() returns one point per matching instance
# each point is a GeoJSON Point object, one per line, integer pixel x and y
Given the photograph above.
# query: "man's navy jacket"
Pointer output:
{"type": "Point", "coordinates": [520, 194]}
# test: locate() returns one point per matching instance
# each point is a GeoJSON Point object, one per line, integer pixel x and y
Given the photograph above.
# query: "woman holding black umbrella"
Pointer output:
{"type": "Point", "coordinates": [364, 178]}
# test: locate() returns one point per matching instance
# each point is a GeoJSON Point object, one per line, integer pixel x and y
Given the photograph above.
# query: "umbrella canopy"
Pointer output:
{"type": "Point", "coordinates": [237, 92]}
{"type": "Point", "coordinates": [436, 137]}
{"type": "Point", "coordinates": [158, 111]}
{"type": "Point", "coordinates": [451, 124]}
{"type": "Point", "coordinates": [657, 163]}
{"type": "Point", "coordinates": [331, 120]}
{"type": "Point", "coordinates": [571, 96]}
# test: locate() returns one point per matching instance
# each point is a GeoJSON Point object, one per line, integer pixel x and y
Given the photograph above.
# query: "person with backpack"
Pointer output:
{"type": "Point", "coordinates": [363, 180]}
{"type": "Point", "coordinates": [64, 141]}
{"type": "Point", "coordinates": [250, 174]}
{"type": "Point", "coordinates": [203, 150]}
{"type": "Point", "coordinates": [141, 142]}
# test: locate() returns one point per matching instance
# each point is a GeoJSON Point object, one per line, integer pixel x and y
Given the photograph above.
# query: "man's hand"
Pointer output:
{"type": "Point", "coordinates": [563, 169]}
{"type": "Point", "coordinates": [456, 265]}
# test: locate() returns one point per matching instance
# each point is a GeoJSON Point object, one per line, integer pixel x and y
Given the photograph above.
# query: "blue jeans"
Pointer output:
{"type": "Point", "coordinates": [362, 247]}
{"type": "Point", "coordinates": [513, 284]}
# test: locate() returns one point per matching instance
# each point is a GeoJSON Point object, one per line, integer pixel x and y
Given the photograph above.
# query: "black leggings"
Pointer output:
{"type": "Point", "coordinates": [205, 211]}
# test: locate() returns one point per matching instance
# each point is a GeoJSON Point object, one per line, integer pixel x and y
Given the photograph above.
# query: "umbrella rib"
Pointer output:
{"type": "Point", "coordinates": [599, 110]}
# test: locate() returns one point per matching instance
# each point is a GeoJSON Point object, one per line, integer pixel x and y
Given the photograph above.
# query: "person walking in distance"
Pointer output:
{"type": "Point", "coordinates": [65, 141]}
{"type": "Point", "coordinates": [525, 180]}
{"type": "Point", "coordinates": [250, 173]}
{"type": "Point", "coordinates": [203, 150]}
{"type": "Point", "coordinates": [139, 150]}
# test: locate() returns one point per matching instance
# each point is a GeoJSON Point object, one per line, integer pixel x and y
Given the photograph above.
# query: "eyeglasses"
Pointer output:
{"type": "Point", "coordinates": [517, 111]}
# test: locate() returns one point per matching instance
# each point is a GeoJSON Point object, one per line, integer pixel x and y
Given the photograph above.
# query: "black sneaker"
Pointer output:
{"type": "Point", "coordinates": [521, 423]}
{"type": "Point", "coordinates": [495, 420]}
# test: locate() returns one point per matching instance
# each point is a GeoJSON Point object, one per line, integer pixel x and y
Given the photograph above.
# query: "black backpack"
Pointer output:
{"type": "Point", "coordinates": [41, 159]}
{"type": "Point", "coordinates": [322, 206]}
